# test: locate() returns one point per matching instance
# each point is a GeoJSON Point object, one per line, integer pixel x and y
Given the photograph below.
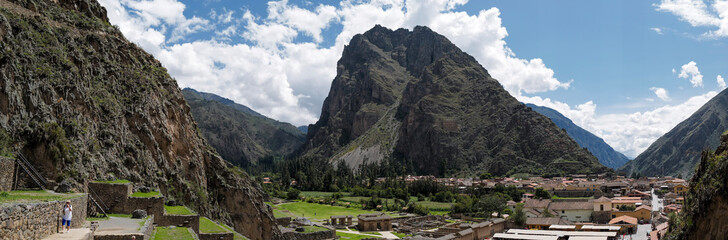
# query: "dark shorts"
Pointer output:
{"type": "Point", "coordinates": [65, 222]}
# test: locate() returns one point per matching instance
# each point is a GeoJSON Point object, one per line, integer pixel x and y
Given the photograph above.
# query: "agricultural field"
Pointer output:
{"type": "Point", "coordinates": [315, 211]}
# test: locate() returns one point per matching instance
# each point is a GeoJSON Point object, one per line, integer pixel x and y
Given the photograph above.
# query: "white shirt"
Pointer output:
{"type": "Point", "coordinates": [67, 212]}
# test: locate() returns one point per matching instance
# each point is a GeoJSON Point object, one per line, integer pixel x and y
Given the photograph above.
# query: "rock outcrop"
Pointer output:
{"type": "Point", "coordinates": [678, 151]}
{"type": "Point", "coordinates": [414, 97]}
{"type": "Point", "coordinates": [83, 103]}
{"type": "Point", "coordinates": [705, 214]}
{"type": "Point", "coordinates": [239, 134]}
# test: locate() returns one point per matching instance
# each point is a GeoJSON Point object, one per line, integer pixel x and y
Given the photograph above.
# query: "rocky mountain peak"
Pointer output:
{"type": "Point", "coordinates": [416, 97]}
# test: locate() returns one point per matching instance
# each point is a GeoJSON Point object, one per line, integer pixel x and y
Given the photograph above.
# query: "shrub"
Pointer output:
{"type": "Point", "coordinates": [293, 194]}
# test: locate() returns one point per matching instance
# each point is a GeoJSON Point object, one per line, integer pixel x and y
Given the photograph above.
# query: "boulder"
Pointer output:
{"type": "Point", "coordinates": [138, 214]}
{"type": "Point", "coordinates": [63, 187]}
{"type": "Point", "coordinates": [145, 189]}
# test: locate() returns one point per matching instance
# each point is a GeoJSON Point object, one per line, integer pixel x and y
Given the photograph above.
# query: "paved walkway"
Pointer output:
{"type": "Point", "coordinates": [117, 225]}
{"type": "Point", "coordinates": [74, 234]}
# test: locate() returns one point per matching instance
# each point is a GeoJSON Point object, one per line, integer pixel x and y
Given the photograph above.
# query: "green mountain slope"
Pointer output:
{"type": "Point", "coordinates": [596, 145]}
{"type": "Point", "coordinates": [414, 97]}
{"type": "Point", "coordinates": [678, 151]}
{"type": "Point", "coordinates": [705, 214]}
{"type": "Point", "coordinates": [241, 135]}
{"type": "Point", "coordinates": [82, 104]}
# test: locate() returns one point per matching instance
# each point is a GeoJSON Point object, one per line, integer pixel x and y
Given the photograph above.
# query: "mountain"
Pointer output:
{"type": "Point", "coordinates": [678, 151]}
{"type": "Point", "coordinates": [705, 214]}
{"type": "Point", "coordinates": [241, 135]}
{"type": "Point", "coordinates": [303, 129]}
{"type": "Point", "coordinates": [596, 145]}
{"type": "Point", "coordinates": [82, 103]}
{"type": "Point", "coordinates": [414, 98]}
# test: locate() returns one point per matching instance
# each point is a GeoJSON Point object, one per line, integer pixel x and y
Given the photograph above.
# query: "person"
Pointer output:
{"type": "Point", "coordinates": [67, 215]}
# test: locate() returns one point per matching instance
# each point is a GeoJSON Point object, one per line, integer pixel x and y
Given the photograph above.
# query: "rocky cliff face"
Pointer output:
{"type": "Point", "coordinates": [596, 145]}
{"type": "Point", "coordinates": [413, 96]}
{"type": "Point", "coordinates": [705, 214]}
{"type": "Point", "coordinates": [678, 151]}
{"type": "Point", "coordinates": [83, 103]}
{"type": "Point", "coordinates": [241, 135]}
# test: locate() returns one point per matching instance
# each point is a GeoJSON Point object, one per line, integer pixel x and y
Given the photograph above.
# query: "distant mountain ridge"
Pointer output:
{"type": "Point", "coordinates": [241, 135]}
{"type": "Point", "coordinates": [678, 151]}
{"type": "Point", "coordinates": [414, 98]}
{"type": "Point", "coordinates": [596, 145]}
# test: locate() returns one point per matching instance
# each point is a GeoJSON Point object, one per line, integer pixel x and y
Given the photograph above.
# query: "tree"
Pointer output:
{"type": "Point", "coordinates": [489, 204]}
{"type": "Point", "coordinates": [293, 194]}
{"type": "Point", "coordinates": [518, 217]}
{"type": "Point", "coordinates": [485, 175]}
{"type": "Point", "coordinates": [542, 194]}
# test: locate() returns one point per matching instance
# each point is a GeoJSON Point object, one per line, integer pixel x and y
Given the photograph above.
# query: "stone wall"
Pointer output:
{"type": "Point", "coordinates": [283, 221]}
{"type": "Point", "coordinates": [113, 195]}
{"type": "Point", "coordinates": [217, 236]}
{"type": "Point", "coordinates": [36, 220]}
{"type": "Point", "coordinates": [7, 167]}
{"type": "Point", "coordinates": [330, 234]}
{"type": "Point", "coordinates": [153, 206]}
{"type": "Point", "coordinates": [188, 221]}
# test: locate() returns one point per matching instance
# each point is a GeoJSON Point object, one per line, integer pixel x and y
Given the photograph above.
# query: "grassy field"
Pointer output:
{"type": "Point", "coordinates": [237, 236]}
{"type": "Point", "coordinates": [34, 196]}
{"type": "Point", "coordinates": [319, 211]}
{"type": "Point", "coordinates": [310, 229]}
{"type": "Point", "coordinates": [146, 195]}
{"type": "Point", "coordinates": [349, 236]}
{"type": "Point", "coordinates": [436, 206]}
{"type": "Point", "coordinates": [178, 233]}
{"type": "Point", "coordinates": [120, 181]}
{"type": "Point", "coordinates": [208, 226]}
{"type": "Point", "coordinates": [178, 210]}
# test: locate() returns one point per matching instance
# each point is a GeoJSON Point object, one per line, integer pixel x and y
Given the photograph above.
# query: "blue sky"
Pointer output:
{"type": "Point", "coordinates": [628, 71]}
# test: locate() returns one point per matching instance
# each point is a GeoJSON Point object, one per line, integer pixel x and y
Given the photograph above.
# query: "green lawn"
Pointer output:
{"type": "Point", "coordinates": [319, 211]}
{"type": "Point", "coordinates": [349, 236]}
{"type": "Point", "coordinates": [310, 229]}
{"type": "Point", "coordinates": [178, 233]}
{"type": "Point", "coordinates": [437, 206]}
{"type": "Point", "coordinates": [178, 210]}
{"type": "Point", "coordinates": [34, 196]}
{"type": "Point", "coordinates": [208, 226]}
{"type": "Point", "coordinates": [399, 235]}
{"type": "Point", "coordinates": [120, 181]}
{"type": "Point", "coordinates": [237, 235]}
{"type": "Point", "coordinates": [146, 195]}
{"type": "Point", "coordinates": [440, 213]}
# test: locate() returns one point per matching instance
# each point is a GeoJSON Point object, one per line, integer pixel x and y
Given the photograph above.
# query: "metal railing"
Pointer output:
{"type": "Point", "coordinates": [31, 171]}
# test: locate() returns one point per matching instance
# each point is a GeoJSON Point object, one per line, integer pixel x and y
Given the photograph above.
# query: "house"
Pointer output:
{"type": "Point", "coordinates": [602, 204]}
{"type": "Point", "coordinates": [573, 211]}
{"type": "Point", "coordinates": [543, 223]}
{"type": "Point", "coordinates": [637, 193]}
{"type": "Point", "coordinates": [680, 189]}
{"type": "Point", "coordinates": [374, 222]}
{"type": "Point", "coordinates": [671, 198]}
{"type": "Point", "coordinates": [626, 201]}
{"type": "Point", "coordinates": [680, 200]}
{"type": "Point", "coordinates": [511, 205]}
{"type": "Point", "coordinates": [534, 212]}
{"type": "Point", "coordinates": [536, 204]}
{"type": "Point", "coordinates": [659, 231]}
{"type": "Point", "coordinates": [643, 213]}
{"type": "Point", "coordinates": [672, 208]}
{"type": "Point", "coordinates": [629, 224]}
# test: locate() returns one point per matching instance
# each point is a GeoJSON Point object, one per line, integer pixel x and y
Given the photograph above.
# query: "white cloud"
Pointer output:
{"type": "Point", "coordinates": [657, 30]}
{"type": "Point", "coordinates": [661, 93]}
{"type": "Point", "coordinates": [699, 14]}
{"type": "Point", "coordinates": [629, 133]}
{"type": "Point", "coordinates": [288, 80]}
{"type": "Point", "coordinates": [690, 71]}
{"type": "Point", "coordinates": [297, 75]}
{"type": "Point", "coordinates": [721, 82]}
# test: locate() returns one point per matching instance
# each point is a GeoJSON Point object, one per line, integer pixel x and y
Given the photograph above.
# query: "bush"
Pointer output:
{"type": "Point", "coordinates": [293, 194]}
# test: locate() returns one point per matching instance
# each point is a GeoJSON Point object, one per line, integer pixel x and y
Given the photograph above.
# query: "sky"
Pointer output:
{"type": "Point", "coordinates": [628, 71]}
